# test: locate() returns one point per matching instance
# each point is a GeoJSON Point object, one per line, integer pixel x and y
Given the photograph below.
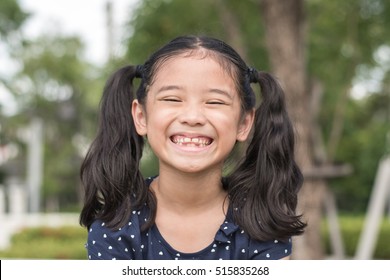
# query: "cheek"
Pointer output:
{"type": "Point", "coordinates": [157, 122]}
{"type": "Point", "coordinates": [229, 119]}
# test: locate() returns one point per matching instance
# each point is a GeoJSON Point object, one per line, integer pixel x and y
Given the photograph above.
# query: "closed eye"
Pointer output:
{"type": "Point", "coordinates": [170, 99]}
{"type": "Point", "coordinates": [216, 102]}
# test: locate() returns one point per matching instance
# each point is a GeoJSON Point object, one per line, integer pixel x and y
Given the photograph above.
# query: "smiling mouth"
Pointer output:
{"type": "Point", "coordinates": [191, 141]}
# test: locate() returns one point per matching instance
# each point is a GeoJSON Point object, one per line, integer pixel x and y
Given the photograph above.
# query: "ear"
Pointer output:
{"type": "Point", "coordinates": [139, 117]}
{"type": "Point", "coordinates": [245, 126]}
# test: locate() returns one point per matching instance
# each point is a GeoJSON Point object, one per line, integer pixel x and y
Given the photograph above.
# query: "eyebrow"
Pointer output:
{"type": "Point", "coordinates": [221, 91]}
{"type": "Point", "coordinates": [170, 87]}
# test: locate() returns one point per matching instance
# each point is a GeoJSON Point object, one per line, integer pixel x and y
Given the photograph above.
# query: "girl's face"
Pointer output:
{"type": "Point", "coordinates": [192, 117]}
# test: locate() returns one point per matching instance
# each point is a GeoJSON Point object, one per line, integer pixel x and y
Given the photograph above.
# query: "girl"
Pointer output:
{"type": "Point", "coordinates": [193, 105]}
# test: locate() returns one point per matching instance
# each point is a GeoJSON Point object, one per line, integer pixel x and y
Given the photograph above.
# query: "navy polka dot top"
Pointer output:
{"type": "Point", "coordinates": [129, 243]}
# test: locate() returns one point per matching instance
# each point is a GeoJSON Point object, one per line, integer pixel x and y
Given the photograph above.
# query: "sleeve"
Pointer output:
{"type": "Point", "coordinates": [270, 250]}
{"type": "Point", "coordinates": [106, 244]}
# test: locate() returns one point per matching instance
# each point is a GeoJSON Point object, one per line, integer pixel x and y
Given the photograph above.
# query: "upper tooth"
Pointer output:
{"type": "Point", "coordinates": [191, 140]}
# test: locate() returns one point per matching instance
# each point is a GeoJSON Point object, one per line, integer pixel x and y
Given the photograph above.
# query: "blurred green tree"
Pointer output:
{"type": "Point", "coordinates": [344, 41]}
{"type": "Point", "coordinates": [12, 18]}
{"type": "Point", "coordinates": [57, 86]}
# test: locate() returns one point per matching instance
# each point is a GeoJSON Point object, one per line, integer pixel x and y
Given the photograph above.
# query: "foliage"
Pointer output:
{"type": "Point", "coordinates": [53, 86]}
{"type": "Point", "coordinates": [11, 17]}
{"type": "Point", "coordinates": [351, 228]}
{"type": "Point", "coordinates": [48, 243]}
{"type": "Point", "coordinates": [344, 38]}
{"type": "Point", "coordinates": [56, 85]}
{"type": "Point", "coordinates": [363, 145]}
{"type": "Point", "coordinates": [157, 21]}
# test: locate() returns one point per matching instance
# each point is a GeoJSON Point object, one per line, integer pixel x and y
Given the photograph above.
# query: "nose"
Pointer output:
{"type": "Point", "coordinates": [192, 115]}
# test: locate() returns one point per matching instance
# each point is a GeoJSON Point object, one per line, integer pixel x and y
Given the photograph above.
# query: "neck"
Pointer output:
{"type": "Point", "coordinates": [187, 192]}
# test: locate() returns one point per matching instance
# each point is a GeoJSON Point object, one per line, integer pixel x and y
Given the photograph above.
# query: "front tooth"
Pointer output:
{"type": "Point", "coordinates": [195, 140]}
{"type": "Point", "coordinates": [187, 140]}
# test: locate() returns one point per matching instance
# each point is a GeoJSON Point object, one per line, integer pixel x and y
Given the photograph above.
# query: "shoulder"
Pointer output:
{"type": "Point", "coordinates": [272, 250]}
{"type": "Point", "coordinates": [251, 248]}
{"type": "Point", "coordinates": [107, 243]}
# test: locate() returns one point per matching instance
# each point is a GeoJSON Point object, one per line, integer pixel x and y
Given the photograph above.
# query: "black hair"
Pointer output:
{"type": "Point", "coordinates": [263, 187]}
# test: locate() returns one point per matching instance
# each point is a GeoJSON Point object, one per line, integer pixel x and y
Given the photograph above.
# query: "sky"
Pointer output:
{"type": "Point", "coordinates": [85, 18]}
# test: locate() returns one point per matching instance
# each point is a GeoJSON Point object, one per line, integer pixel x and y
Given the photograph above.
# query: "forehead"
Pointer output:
{"type": "Point", "coordinates": [200, 55]}
{"type": "Point", "coordinates": [193, 74]}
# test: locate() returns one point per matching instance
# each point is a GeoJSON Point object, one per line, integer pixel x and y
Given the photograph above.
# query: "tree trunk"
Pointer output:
{"type": "Point", "coordinates": [232, 28]}
{"type": "Point", "coordinates": [285, 30]}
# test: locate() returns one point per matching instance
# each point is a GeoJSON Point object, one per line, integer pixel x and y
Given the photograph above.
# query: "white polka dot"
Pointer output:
{"type": "Point", "coordinates": [212, 250]}
{"type": "Point", "coordinates": [132, 236]}
{"type": "Point", "coordinates": [178, 254]}
{"type": "Point", "coordinates": [113, 259]}
{"type": "Point", "coordinates": [225, 228]}
{"type": "Point", "coordinates": [93, 241]}
{"type": "Point", "coordinates": [126, 250]}
{"type": "Point", "coordinates": [243, 251]}
{"type": "Point", "coordinates": [161, 253]}
{"type": "Point", "coordinates": [90, 230]}
{"type": "Point", "coordinates": [142, 246]}
{"type": "Point", "coordinates": [276, 241]}
{"type": "Point", "coordinates": [139, 213]}
{"type": "Point", "coordinates": [89, 256]}
{"type": "Point", "coordinates": [134, 212]}
{"type": "Point", "coordinates": [214, 245]}
{"type": "Point", "coordinates": [104, 235]}
{"type": "Point", "coordinates": [120, 238]}
{"type": "Point", "coordinates": [255, 251]}
{"type": "Point", "coordinates": [120, 228]}
{"type": "Point", "coordinates": [129, 223]}
{"type": "Point", "coordinates": [109, 247]}
{"type": "Point", "coordinates": [227, 247]}
{"type": "Point", "coordinates": [99, 254]}
{"type": "Point", "coordinates": [267, 255]}
{"type": "Point", "coordinates": [103, 224]}
{"type": "Point", "coordinates": [242, 232]}
{"type": "Point", "coordinates": [286, 251]}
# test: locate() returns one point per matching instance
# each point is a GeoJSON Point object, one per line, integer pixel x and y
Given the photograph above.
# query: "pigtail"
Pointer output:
{"type": "Point", "coordinates": [110, 171]}
{"type": "Point", "coordinates": [263, 189]}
